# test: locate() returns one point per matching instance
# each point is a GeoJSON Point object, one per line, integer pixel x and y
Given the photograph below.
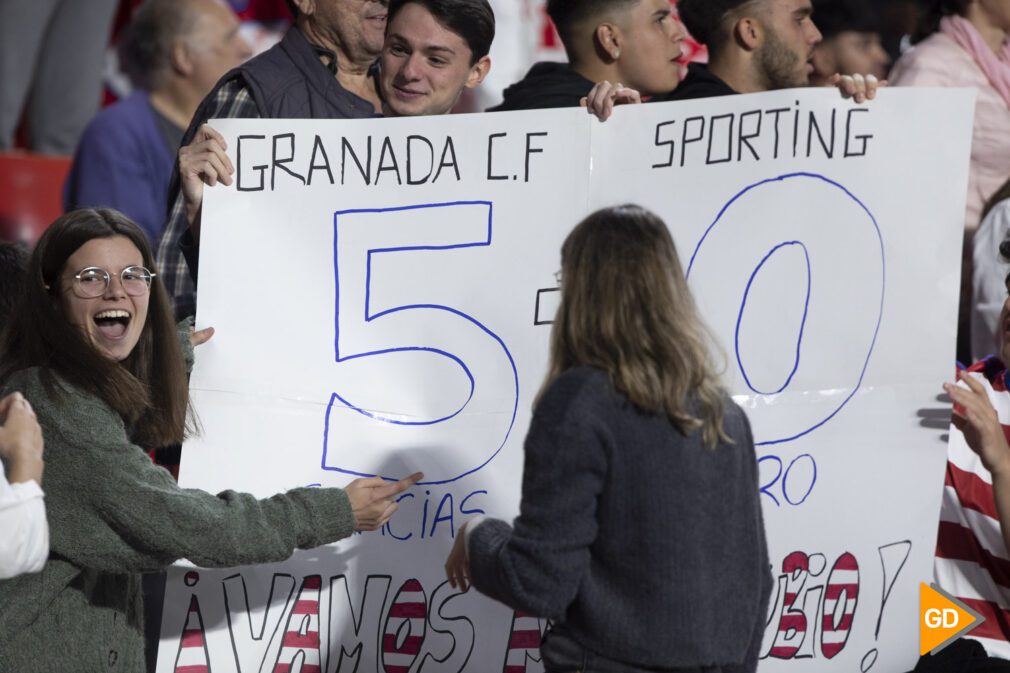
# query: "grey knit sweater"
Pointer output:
{"type": "Point", "coordinates": [113, 515]}
{"type": "Point", "coordinates": [647, 547]}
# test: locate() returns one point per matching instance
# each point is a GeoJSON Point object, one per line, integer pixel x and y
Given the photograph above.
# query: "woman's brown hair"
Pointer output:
{"type": "Point", "coordinates": [626, 308]}
{"type": "Point", "coordinates": [933, 13]}
{"type": "Point", "coordinates": [148, 389]}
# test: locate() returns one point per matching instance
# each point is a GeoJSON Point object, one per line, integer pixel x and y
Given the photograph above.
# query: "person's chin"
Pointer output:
{"type": "Point", "coordinates": [118, 350]}
{"type": "Point", "coordinates": [406, 105]}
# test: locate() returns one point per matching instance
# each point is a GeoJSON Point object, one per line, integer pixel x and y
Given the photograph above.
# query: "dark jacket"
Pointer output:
{"type": "Point", "coordinates": [699, 83]}
{"type": "Point", "coordinates": [643, 544]}
{"type": "Point", "coordinates": [546, 85]}
{"type": "Point", "coordinates": [290, 82]}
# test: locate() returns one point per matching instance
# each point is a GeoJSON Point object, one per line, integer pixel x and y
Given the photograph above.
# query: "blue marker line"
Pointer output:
{"type": "Point", "coordinates": [369, 316]}
{"type": "Point", "coordinates": [883, 287]}
{"type": "Point", "coordinates": [803, 322]}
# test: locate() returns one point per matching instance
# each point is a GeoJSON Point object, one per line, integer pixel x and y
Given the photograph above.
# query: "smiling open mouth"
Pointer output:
{"type": "Point", "coordinates": [112, 324]}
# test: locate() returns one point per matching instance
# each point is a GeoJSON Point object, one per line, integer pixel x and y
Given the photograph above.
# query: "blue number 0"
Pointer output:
{"type": "Point", "coordinates": [812, 278]}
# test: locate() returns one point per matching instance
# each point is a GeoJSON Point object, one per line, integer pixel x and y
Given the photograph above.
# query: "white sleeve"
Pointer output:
{"type": "Point", "coordinates": [988, 275]}
{"type": "Point", "coordinates": [24, 532]}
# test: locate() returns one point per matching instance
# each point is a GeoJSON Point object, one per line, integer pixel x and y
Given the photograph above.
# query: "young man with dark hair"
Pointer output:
{"type": "Point", "coordinates": [757, 45]}
{"type": "Point", "coordinates": [633, 42]}
{"type": "Point", "coordinates": [852, 41]}
{"type": "Point", "coordinates": [434, 50]}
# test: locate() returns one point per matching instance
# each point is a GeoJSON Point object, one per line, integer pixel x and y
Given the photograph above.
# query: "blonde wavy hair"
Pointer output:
{"type": "Point", "coordinates": [626, 308]}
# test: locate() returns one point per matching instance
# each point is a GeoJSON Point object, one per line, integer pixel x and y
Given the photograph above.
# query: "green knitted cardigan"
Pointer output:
{"type": "Point", "coordinates": [114, 515]}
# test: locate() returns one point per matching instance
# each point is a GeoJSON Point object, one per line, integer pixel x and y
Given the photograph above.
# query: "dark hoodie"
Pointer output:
{"type": "Point", "coordinates": [699, 83]}
{"type": "Point", "coordinates": [546, 85]}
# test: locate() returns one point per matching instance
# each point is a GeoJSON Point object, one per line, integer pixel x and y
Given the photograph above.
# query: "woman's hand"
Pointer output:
{"type": "Point", "coordinates": [373, 499]}
{"type": "Point", "coordinates": [21, 442]}
{"type": "Point", "coordinates": [457, 565]}
{"type": "Point", "coordinates": [860, 88]}
{"type": "Point", "coordinates": [202, 161]}
{"type": "Point", "coordinates": [979, 423]}
{"type": "Point", "coordinates": [604, 96]}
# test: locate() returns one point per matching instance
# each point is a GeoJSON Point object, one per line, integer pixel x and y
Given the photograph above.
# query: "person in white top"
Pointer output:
{"type": "Point", "coordinates": [24, 532]}
{"type": "Point", "coordinates": [988, 271]}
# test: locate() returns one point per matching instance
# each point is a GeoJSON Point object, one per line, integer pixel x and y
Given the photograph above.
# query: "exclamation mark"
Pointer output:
{"type": "Point", "coordinates": [193, 656]}
{"type": "Point", "coordinates": [892, 559]}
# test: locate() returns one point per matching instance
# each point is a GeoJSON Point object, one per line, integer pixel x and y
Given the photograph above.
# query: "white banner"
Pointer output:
{"type": "Point", "coordinates": [382, 292]}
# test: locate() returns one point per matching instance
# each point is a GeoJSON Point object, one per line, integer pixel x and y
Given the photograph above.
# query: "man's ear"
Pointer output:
{"type": "Point", "coordinates": [748, 32]}
{"type": "Point", "coordinates": [478, 71]}
{"type": "Point", "coordinates": [306, 7]}
{"type": "Point", "coordinates": [179, 56]}
{"type": "Point", "coordinates": [608, 38]}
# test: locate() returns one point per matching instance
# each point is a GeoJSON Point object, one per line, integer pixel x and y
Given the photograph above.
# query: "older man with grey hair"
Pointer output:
{"type": "Point", "coordinates": [174, 51]}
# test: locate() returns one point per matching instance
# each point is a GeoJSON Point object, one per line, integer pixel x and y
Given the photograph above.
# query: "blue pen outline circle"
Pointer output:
{"type": "Point", "coordinates": [883, 286]}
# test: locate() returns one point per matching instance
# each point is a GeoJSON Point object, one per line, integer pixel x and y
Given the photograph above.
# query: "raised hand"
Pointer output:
{"type": "Point", "coordinates": [457, 565]}
{"type": "Point", "coordinates": [975, 417]}
{"type": "Point", "coordinates": [202, 161]}
{"type": "Point", "coordinates": [20, 439]}
{"type": "Point", "coordinates": [860, 88]}
{"type": "Point", "coordinates": [604, 96]}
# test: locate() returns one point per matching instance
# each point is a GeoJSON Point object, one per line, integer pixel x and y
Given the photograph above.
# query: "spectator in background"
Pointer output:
{"type": "Point", "coordinates": [989, 268]}
{"type": "Point", "coordinates": [634, 42]}
{"type": "Point", "coordinates": [24, 545]}
{"type": "Point", "coordinates": [851, 41]}
{"type": "Point", "coordinates": [756, 45]}
{"type": "Point", "coordinates": [174, 51]}
{"type": "Point", "coordinates": [963, 43]}
{"type": "Point", "coordinates": [898, 21]}
{"type": "Point", "coordinates": [51, 56]}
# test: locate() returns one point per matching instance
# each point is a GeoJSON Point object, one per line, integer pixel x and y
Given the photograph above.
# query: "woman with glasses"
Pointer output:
{"type": "Point", "coordinates": [639, 530]}
{"type": "Point", "coordinates": [93, 346]}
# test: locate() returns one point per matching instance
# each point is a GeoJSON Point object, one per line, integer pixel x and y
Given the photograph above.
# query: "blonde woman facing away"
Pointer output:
{"type": "Point", "coordinates": [640, 530]}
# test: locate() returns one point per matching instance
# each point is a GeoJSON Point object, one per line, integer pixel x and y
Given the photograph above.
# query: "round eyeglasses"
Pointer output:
{"type": "Point", "coordinates": [94, 281]}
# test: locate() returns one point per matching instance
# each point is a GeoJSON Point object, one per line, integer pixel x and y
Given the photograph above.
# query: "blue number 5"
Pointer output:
{"type": "Point", "coordinates": [399, 407]}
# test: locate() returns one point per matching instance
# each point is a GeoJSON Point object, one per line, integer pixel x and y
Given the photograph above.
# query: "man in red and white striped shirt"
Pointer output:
{"type": "Point", "coordinates": [972, 561]}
